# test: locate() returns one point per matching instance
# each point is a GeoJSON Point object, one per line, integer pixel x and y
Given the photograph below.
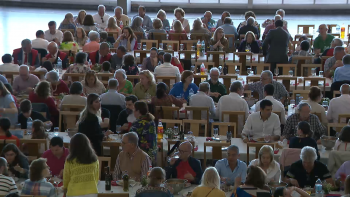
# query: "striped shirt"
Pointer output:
{"type": "Point", "coordinates": [38, 188]}
{"type": "Point", "coordinates": [7, 185]}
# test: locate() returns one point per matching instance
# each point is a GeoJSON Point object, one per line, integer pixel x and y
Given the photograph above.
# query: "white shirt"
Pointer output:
{"type": "Point", "coordinates": [98, 20]}
{"type": "Point", "coordinates": [203, 100]}
{"type": "Point", "coordinates": [112, 97]}
{"type": "Point", "coordinates": [276, 106]}
{"type": "Point", "coordinates": [339, 105]}
{"type": "Point", "coordinates": [233, 102]}
{"type": "Point", "coordinates": [167, 70]}
{"type": "Point", "coordinates": [9, 67]}
{"type": "Point", "coordinates": [40, 43]}
{"type": "Point", "coordinates": [257, 127]}
{"type": "Point", "coordinates": [73, 99]}
{"type": "Point", "coordinates": [49, 37]}
{"type": "Point", "coordinates": [273, 173]}
{"type": "Point", "coordinates": [317, 108]}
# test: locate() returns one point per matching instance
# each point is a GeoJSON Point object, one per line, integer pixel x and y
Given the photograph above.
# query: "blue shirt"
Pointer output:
{"type": "Point", "coordinates": [224, 170]}
{"type": "Point", "coordinates": [5, 102]}
{"type": "Point", "coordinates": [3, 79]}
{"type": "Point", "coordinates": [178, 90]}
{"type": "Point", "coordinates": [342, 73]}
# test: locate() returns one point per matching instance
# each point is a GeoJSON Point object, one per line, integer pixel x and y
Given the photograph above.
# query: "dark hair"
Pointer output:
{"type": "Point", "coordinates": [48, 65]}
{"type": "Point", "coordinates": [167, 57]}
{"type": "Point", "coordinates": [143, 109]}
{"type": "Point", "coordinates": [227, 20]}
{"type": "Point", "coordinates": [80, 150]}
{"type": "Point", "coordinates": [39, 130]}
{"type": "Point", "coordinates": [162, 89]}
{"type": "Point", "coordinates": [36, 168]}
{"type": "Point", "coordinates": [264, 103]}
{"type": "Point", "coordinates": [25, 106]}
{"type": "Point", "coordinates": [43, 89]}
{"type": "Point", "coordinates": [278, 23]}
{"type": "Point", "coordinates": [12, 147]}
{"type": "Point", "coordinates": [39, 33]}
{"type": "Point", "coordinates": [131, 98]}
{"type": "Point", "coordinates": [279, 192]}
{"type": "Point", "coordinates": [345, 134]}
{"type": "Point", "coordinates": [154, 49]}
{"type": "Point", "coordinates": [129, 60]}
{"type": "Point", "coordinates": [89, 20]}
{"type": "Point", "coordinates": [9, 87]}
{"type": "Point", "coordinates": [305, 127]}
{"type": "Point", "coordinates": [156, 176]}
{"type": "Point", "coordinates": [76, 88]}
{"type": "Point", "coordinates": [51, 23]}
{"type": "Point", "coordinates": [305, 45]}
{"type": "Point", "coordinates": [143, 8]}
{"type": "Point", "coordinates": [269, 89]}
{"type": "Point", "coordinates": [56, 141]}
{"type": "Point", "coordinates": [7, 58]}
{"type": "Point", "coordinates": [185, 74]}
{"type": "Point", "coordinates": [12, 195]}
{"type": "Point", "coordinates": [68, 37]}
{"type": "Point", "coordinates": [80, 58]}
{"type": "Point", "coordinates": [3, 89]}
{"type": "Point", "coordinates": [106, 66]}
{"type": "Point", "coordinates": [314, 93]}
{"type": "Point", "coordinates": [103, 35]}
{"type": "Point", "coordinates": [5, 125]}
{"type": "Point", "coordinates": [249, 14]}
{"type": "Point", "coordinates": [131, 32]}
{"type": "Point", "coordinates": [255, 177]}
{"type": "Point", "coordinates": [122, 49]}
{"type": "Point", "coordinates": [303, 37]}
{"type": "Point", "coordinates": [346, 59]}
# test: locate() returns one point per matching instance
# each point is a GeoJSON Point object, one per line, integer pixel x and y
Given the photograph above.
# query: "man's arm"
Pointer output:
{"type": "Point", "coordinates": [266, 42]}
{"type": "Point", "coordinates": [276, 129]}
{"type": "Point", "coordinates": [247, 127]}
{"type": "Point", "coordinates": [287, 129]}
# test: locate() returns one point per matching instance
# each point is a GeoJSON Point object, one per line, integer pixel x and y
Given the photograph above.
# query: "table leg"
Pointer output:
{"type": "Point", "coordinates": [114, 152]}
{"type": "Point", "coordinates": [243, 60]}
{"type": "Point", "coordinates": [197, 81]}
{"type": "Point", "coordinates": [286, 84]}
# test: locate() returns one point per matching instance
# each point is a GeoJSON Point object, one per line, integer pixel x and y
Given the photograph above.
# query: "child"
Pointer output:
{"type": "Point", "coordinates": [106, 66]}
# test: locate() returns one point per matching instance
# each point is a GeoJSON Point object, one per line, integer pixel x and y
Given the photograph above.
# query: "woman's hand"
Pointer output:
{"type": "Point", "coordinates": [294, 182]}
{"type": "Point", "coordinates": [18, 169]}
{"type": "Point", "coordinates": [107, 133]}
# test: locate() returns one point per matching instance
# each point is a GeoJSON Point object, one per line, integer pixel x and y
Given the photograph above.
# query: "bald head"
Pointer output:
{"type": "Point", "coordinates": [52, 48]}
{"type": "Point", "coordinates": [323, 29]}
{"type": "Point", "coordinates": [344, 89]}
{"type": "Point", "coordinates": [186, 146]}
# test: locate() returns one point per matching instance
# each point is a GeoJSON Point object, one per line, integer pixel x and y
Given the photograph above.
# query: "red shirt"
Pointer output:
{"type": "Point", "coordinates": [184, 168]}
{"type": "Point", "coordinates": [179, 66]}
{"type": "Point", "coordinates": [50, 102]}
{"type": "Point", "coordinates": [56, 164]}
{"type": "Point", "coordinates": [11, 138]}
{"type": "Point", "coordinates": [61, 88]}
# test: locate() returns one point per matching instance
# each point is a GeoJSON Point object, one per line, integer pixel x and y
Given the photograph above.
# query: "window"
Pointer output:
{"type": "Point", "coordinates": [234, 1]}
{"type": "Point", "coordinates": [331, 2]}
{"type": "Point", "coordinates": [298, 1]}
{"type": "Point", "coordinates": [267, 1]}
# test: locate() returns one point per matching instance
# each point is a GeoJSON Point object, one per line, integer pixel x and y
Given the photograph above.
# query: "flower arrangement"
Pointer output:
{"type": "Point", "coordinates": [170, 133]}
{"type": "Point", "coordinates": [97, 67]}
{"type": "Point", "coordinates": [61, 95]}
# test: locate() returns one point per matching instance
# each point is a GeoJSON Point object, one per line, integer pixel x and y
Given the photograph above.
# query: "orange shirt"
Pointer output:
{"type": "Point", "coordinates": [91, 46]}
{"type": "Point", "coordinates": [11, 138]}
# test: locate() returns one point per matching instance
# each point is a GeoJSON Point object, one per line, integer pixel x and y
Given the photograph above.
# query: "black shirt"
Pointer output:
{"type": "Point", "coordinates": [34, 115]}
{"type": "Point", "coordinates": [296, 142]}
{"type": "Point", "coordinates": [298, 173]}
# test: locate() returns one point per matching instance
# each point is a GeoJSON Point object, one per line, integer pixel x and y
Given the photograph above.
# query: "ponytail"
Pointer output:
{"type": "Point", "coordinates": [8, 133]}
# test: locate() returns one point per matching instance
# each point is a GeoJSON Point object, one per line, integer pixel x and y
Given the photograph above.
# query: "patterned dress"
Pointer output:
{"type": "Point", "coordinates": [146, 130]}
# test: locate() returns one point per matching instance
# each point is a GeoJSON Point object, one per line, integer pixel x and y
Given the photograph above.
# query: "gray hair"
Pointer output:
{"type": "Point", "coordinates": [308, 154]}
{"type": "Point", "coordinates": [3, 162]}
{"type": "Point", "coordinates": [234, 148]}
{"type": "Point", "coordinates": [204, 87]}
{"type": "Point", "coordinates": [301, 105]}
{"type": "Point", "coordinates": [281, 10]}
{"type": "Point", "coordinates": [133, 138]}
{"type": "Point", "coordinates": [26, 42]}
{"type": "Point", "coordinates": [214, 69]}
{"type": "Point", "coordinates": [338, 49]}
{"type": "Point", "coordinates": [94, 35]}
{"type": "Point", "coordinates": [161, 12]}
{"type": "Point", "coordinates": [101, 6]}
{"type": "Point", "coordinates": [235, 86]}
{"type": "Point", "coordinates": [136, 23]}
{"type": "Point", "coordinates": [120, 8]}
{"type": "Point", "coordinates": [278, 17]}
{"type": "Point", "coordinates": [113, 83]}
{"type": "Point", "coordinates": [122, 71]}
{"type": "Point", "coordinates": [52, 76]}
{"type": "Point", "coordinates": [338, 42]}
{"type": "Point", "coordinates": [24, 67]}
{"type": "Point", "coordinates": [211, 178]}
{"type": "Point", "coordinates": [250, 21]}
{"type": "Point", "coordinates": [268, 73]}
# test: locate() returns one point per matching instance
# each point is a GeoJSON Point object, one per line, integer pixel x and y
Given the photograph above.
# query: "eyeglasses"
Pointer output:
{"type": "Point", "coordinates": [182, 151]}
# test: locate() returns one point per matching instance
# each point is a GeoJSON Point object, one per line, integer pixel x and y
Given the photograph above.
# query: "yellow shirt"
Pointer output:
{"type": "Point", "coordinates": [202, 191]}
{"type": "Point", "coordinates": [80, 179]}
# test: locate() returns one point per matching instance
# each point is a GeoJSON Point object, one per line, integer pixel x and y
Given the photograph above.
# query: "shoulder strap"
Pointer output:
{"type": "Point", "coordinates": [209, 192]}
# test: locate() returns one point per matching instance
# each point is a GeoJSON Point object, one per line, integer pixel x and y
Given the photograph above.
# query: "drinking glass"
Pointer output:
{"type": "Point", "coordinates": [237, 71]}
{"type": "Point", "coordinates": [292, 102]}
{"type": "Point", "coordinates": [176, 130]}
{"type": "Point", "coordinates": [291, 73]}
{"type": "Point", "coordinates": [160, 46]}
{"type": "Point", "coordinates": [48, 127]}
{"type": "Point", "coordinates": [320, 74]}
{"type": "Point", "coordinates": [251, 72]}
{"type": "Point", "coordinates": [170, 47]}
{"type": "Point", "coordinates": [192, 48]}
{"type": "Point", "coordinates": [174, 155]}
{"type": "Point", "coordinates": [325, 104]}
{"type": "Point", "coordinates": [277, 72]}
{"type": "Point", "coordinates": [56, 130]}
{"type": "Point", "coordinates": [181, 47]}
{"type": "Point", "coordinates": [144, 47]}
{"type": "Point", "coordinates": [216, 132]}
{"type": "Point", "coordinates": [313, 72]}
{"type": "Point", "coordinates": [147, 96]}
{"type": "Point", "coordinates": [248, 70]}
{"type": "Point", "coordinates": [139, 46]}
{"type": "Point", "coordinates": [193, 68]}
{"type": "Point", "coordinates": [267, 138]}
{"type": "Point", "coordinates": [118, 130]}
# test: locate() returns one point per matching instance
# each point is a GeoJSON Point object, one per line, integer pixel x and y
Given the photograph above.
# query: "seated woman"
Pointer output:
{"type": "Point", "coordinates": [249, 44]}
{"type": "Point", "coordinates": [344, 138]}
{"type": "Point", "coordinates": [180, 16]}
{"type": "Point", "coordinates": [80, 37]}
{"type": "Point", "coordinates": [130, 67]}
{"type": "Point", "coordinates": [91, 84]}
{"type": "Point", "coordinates": [80, 18]}
{"type": "Point", "coordinates": [8, 105]}
{"type": "Point", "coordinates": [127, 39]}
{"type": "Point", "coordinates": [162, 97]}
{"type": "Point", "coordinates": [68, 22]}
{"type": "Point", "coordinates": [79, 65]}
{"type": "Point", "coordinates": [37, 184]}
{"type": "Point", "coordinates": [267, 163]}
{"type": "Point", "coordinates": [210, 185]}
{"type": "Point", "coordinates": [304, 138]}
{"type": "Point", "coordinates": [5, 133]}
{"type": "Point", "coordinates": [255, 183]}
{"type": "Point", "coordinates": [155, 186]}
{"type": "Point", "coordinates": [136, 26]}
{"type": "Point", "coordinates": [9, 88]}
{"type": "Point", "coordinates": [38, 132]}
{"type": "Point", "coordinates": [244, 23]}
{"type": "Point", "coordinates": [178, 29]}
{"type": "Point", "coordinates": [42, 94]}
{"type": "Point", "coordinates": [89, 23]}
{"type": "Point", "coordinates": [150, 63]}
{"type": "Point", "coordinates": [58, 86]}
{"type": "Point", "coordinates": [68, 42]}
{"type": "Point", "coordinates": [90, 122]}
{"type": "Point", "coordinates": [113, 27]}
{"type": "Point", "coordinates": [289, 192]}
{"type": "Point", "coordinates": [157, 28]}
{"type": "Point", "coordinates": [75, 95]}
{"type": "Point", "coordinates": [18, 165]}
{"type": "Point", "coordinates": [315, 97]}
{"type": "Point", "coordinates": [146, 88]}
{"type": "Point", "coordinates": [218, 42]}
{"type": "Point", "coordinates": [198, 28]}
{"type": "Point", "coordinates": [125, 87]}
{"type": "Point", "coordinates": [304, 51]}
{"type": "Point", "coordinates": [182, 89]}
{"type": "Point", "coordinates": [162, 16]}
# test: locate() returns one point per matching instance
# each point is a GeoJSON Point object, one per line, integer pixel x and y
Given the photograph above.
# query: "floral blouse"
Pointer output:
{"type": "Point", "coordinates": [69, 46]}
{"type": "Point", "coordinates": [127, 88]}
{"type": "Point", "coordinates": [99, 88]}
{"type": "Point", "coordinates": [146, 130]}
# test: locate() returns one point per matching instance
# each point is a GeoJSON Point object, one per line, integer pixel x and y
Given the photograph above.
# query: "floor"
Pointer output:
{"type": "Point", "coordinates": [17, 24]}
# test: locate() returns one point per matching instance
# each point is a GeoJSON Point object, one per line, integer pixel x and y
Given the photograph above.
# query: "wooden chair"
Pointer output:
{"type": "Point", "coordinates": [149, 43]}
{"type": "Point", "coordinates": [197, 112]}
{"type": "Point", "coordinates": [104, 77]}
{"type": "Point", "coordinates": [167, 112]}
{"type": "Point", "coordinates": [104, 159]}
{"type": "Point", "coordinates": [71, 30]}
{"type": "Point", "coordinates": [78, 108]}
{"type": "Point", "coordinates": [231, 36]}
{"type": "Point", "coordinates": [114, 149]}
{"type": "Point", "coordinates": [314, 82]}
{"type": "Point", "coordinates": [295, 44]}
{"type": "Point", "coordinates": [40, 74]}
{"type": "Point", "coordinates": [227, 81]}
{"type": "Point", "coordinates": [260, 67]}
{"type": "Point", "coordinates": [286, 68]}
{"type": "Point", "coordinates": [286, 81]}
{"type": "Point", "coordinates": [139, 36]}
{"type": "Point", "coordinates": [143, 55]}
{"type": "Point", "coordinates": [34, 146]}
{"type": "Point", "coordinates": [208, 65]}
{"type": "Point", "coordinates": [233, 116]}
{"type": "Point", "coordinates": [232, 67]}
{"type": "Point", "coordinates": [195, 126]}
{"type": "Point", "coordinates": [224, 127]}
{"type": "Point", "coordinates": [306, 28]}
{"type": "Point", "coordinates": [201, 37]}
{"type": "Point", "coordinates": [336, 127]}
{"type": "Point", "coordinates": [216, 152]}
{"type": "Point", "coordinates": [188, 55]}
{"type": "Point", "coordinates": [177, 36]}
{"type": "Point", "coordinates": [72, 77]}
{"type": "Point", "coordinates": [336, 93]}
{"type": "Point", "coordinates": [169, 81]}
{"type": "Point", "coordinates": [335, 35]}
{"type": "Point", "coordinates": [257, 146]}
{"type": "Point", "coordinates": [132, 79]}
{"type": "Point", "coordinates": [330, 27]}
{"type": "Point", "coordinates": [301, 60]}
{"type": "Point", "coordinates": [252, 78]}
{"type": "Point", "coordinates": [10, 76]}
{"type": "Point", "coordinates": [309, 67]}
{"type": "Point", "coordinates": [341, 117]}
{"type": "Point", "coordinates": [113, 194]}
{"type": "Point", "coordinates": [170, 123]}
{"type": "Point", "coordinates": [247, 93]}
{"type": "Point", "coordinates": [174, 44]}
{"type": "Point", "coordinates": [243, 59]}
{"type": "Point", "coordinates": [303, 93]}
{"type": "Point", "coordinates": [158, 36]}
{"type": "Point", "coordinates": [68, 119]}
{"type": "Point", "coordinates": [278, 114]}
{"type": "Point", "coordinates": [216, 57]}
{"type": "Point", "coordinates": [7, 141]}
{"type": "Point", "coordinates": [318, 115]}
{"type": "Point", "coordinates": [197, 79]}
{"type": "Point", "coordinates": [188, 44]}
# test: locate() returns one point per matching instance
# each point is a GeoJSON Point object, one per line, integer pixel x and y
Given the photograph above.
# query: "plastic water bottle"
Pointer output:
{"type": "Point", "coordinates": [190, 93]}
{"type": "Point", "coordinates": [90, 64]}
{"type": "Point", "coordinates": [199, 45]}
{"type": "Point", "coordinates": [29, 125]}
{"type": "Point", "coordinates": [203, 48]}
{"type": "Point", "coordinates": [318, 188]}
{"type": "Point", "coordinates": [337, 29]}
{"type": "Point", "coordinates": [59, 65]}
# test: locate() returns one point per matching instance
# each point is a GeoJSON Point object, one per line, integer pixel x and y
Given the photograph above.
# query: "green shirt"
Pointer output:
{"type": "Point", "coordinates": [69, 46]}
{"type": "Point", "coordinates": [127, 89]}
{"type": "Point", "coordinates": [218, 87]}
{"type": "Point", "coordinates": [319, 43]}
{"type": "Point", "coordinates": [140, 92]}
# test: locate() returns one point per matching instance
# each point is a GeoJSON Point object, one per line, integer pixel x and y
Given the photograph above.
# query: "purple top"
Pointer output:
{"type": "Point", "coordinates": [344, 169]}
{"type": "Point", "coordinates": [20, 85]}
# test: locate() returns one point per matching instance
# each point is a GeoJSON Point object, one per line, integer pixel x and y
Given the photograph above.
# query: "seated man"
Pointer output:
{"type": "Point", "coordinates": [147, 21]}
{"type": "Point", "coordinates": [25, 82]}
{"type": "Point", "coordinates": [307, 170]}
{"type": "Point", "coordinates": [54, 54]}
{"type": "Point", "coordinates": [343, 73]}
{"type": "Point", "coordinates": [26, 112]}
{"type": "Point", "coordinates": [323, 40]}
{"type": "Point", "coordinates": [112, 97]}
{"type": "Point", "coordinates": [40, 42]}
{"type": "Point", "coordinates": [120, 17]}
{"type": "Point", "coordinates": [167, 69]}
{"type": "Point", "coordinates": [53, 34]}
{"type": "Point", "coordinates": [7, 184]}
{"type": "Point", "coordinates": [56, 156]}
{"type": "Point", "coordinates": [334, 62]}
{"type": "Point", "coordinates": [100, 56]}
{"type": "Point", "coordinates": [117, 58]}
{"type": "Point", "coordinates": [26, 55]}
{"type": "Point", "coordinates": [186, 167]}
{"type": "Point", "coordinates": [132, 159]}
{"type": "Point", "coordinates": [339, 105]}
{"type": "Point", "coordinates": [304, 110]}
{"type": "Point", "coordinates": [262, 123]}
{"type": "Point", "coordinates": [93, 45]}
{"type": "Point", "coordinates": [231, 167]}
{"type": "Point", "coordinates": [202, 99]}
{"type": "Point", "coordinates": [249, 27]}
{"type": "Point", "coordinates": [101, 17]}
{"type": "Point", "coordinates": [126, 117]}
{"type": "Point", "coordinates": [217, 89]}
{"type": "Point", "coordinates": [207, 20]}
{"type": "Point", "coordinates": [8, 65]}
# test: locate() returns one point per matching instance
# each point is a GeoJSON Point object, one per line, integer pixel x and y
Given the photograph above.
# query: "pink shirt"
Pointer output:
{"type": "Point", "coordinates": [55, 164]}
{"type": "Point", "coordinates": [91, 47]}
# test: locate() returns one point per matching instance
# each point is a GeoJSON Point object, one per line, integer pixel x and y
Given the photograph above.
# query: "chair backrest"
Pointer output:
{"type": "Point", "coordinates": [197, 79]}
{"type": "Point", "coordinates": [72, 77]}
{"type": "Point", "coordinates": [336, 127]}
{"type": "Point", "coordinates": [303, 93]}
{"type": "Point", "coordinates": [233, 116]}
{"type": "Point", "coordinates": [149, 43]}
{"type": "Point", "coordinates": [231, 37]}
{"type": "Point", "coordinates": [287, 67]}
{"type": "Point", "coordinates": [42, 108]}
{"type": "Point", "coordinates": [33, 146]}
{"type": "Point", "coordinates": [279, 114]}
{"type": "Point", "coordinates": [227, 81]}
{"type": "Point", "coordinates": [216, 152]}
{"type": "Point", "coordinates": [318, 115]}
{"type": "Point", "coordinates": [187, 55]}
{"type": "Point", "coordinates": [314, 82]}
{"type": "Point", "coordinates": [10, 75]}
{"type": "Point", "coordinates": [257, 146]}
{"type": "Point", "coordinates": [104, 77]}
{"type": "Point", "coordinates": [260, 67]}
{"type": "Point", "coordinates": [224, 127]}
{"type": "Point", "coordinates": [216, 57]}
{"type": "Point", "coordinates": [67, 107]}
{"type": "Point", "coordinates": [195, 126]}
{"type": "Point", "coordinates": [114, 113]}
{"type": "Point", "coordinates": [306, 28]}
{"type": "Point", "coordinates": [188, 44]}
{"type": "Point", "coordinates": [6, 141]}
{"type": "Point", "coordinates": [39, 74]}
{"type": "Point", "coordinates": [139, 36]}
{"type": "Point", "coordinates": [143, 55]}
{"type": "Point", "coordinates": [174, 44]}
{"type": "Point", "coordinates": [232, 66]}
{"type": "Point", "coordinates": [68, 119]}
{"type": "Point", "coordinates": [341, 118]}
{"type": "Point", "coordinates": [309, 68]}
{"type": "Point", "coordinates": [170, 123]}
{"type": "Point", "coordinates": [208, 65]}
{"type": "Point", "coordinates": [167, 112]}
{"type": "Point", "coordinates": [196, 112]}
{"type": "Point", "coordinates": [288, 157]}
{"type": "Point", "coordinates": [158, 36]}
{"type": "Point", "coordinates": [168, 80]}
{"type": "Point", "coordinates": [133, 79]}
{"type": "Point", "coordinates": [100, 161]}
{"type": "Point", "coordinates": [114, 147]}
{"type": "Point", "coordinates": [336, 94]}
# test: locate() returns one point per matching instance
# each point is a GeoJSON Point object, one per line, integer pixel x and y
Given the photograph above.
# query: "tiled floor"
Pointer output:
{"type": "Point", "coordinates": [20, 23]}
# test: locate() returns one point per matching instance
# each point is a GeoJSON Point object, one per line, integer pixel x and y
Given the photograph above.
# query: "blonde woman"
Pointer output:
{"type": "Point", "coordinates": [157, 28]}
{"type": "Point", "coordinates": [180, 16]}
{"type": "Point", "coordinates": [178, 28]}
{"type": "Point", "coordinates": [80, 18]}
{"type": "Point", "coordinates": [249, 44]}
{"type": "Point", "coordinates": [113, 27]}
{"type": "Point", "coordinates": [80, 37]}
{"type": "Point", "coordinates": [218, 41]}
{"type": "Point", "coordinates": [162, 16]}
{"type": "Point", "coordinates": [266, 162]}
{"type": "Point", "coordinates": [198, 27]}
{"type": "Point", "coordinates": [91, 84]}
{"type": "Point", "coordinates": [136, 26]}
{"type": "Point", "coordinates": [68, 22]}
{"type": "Point", "coordinates": [146, 88]}
{"type": "Point", "coordinates": [210, 186]}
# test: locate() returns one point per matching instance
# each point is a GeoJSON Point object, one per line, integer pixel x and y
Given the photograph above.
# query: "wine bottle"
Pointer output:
{"type": "Point", "coordinates": [108, 179]}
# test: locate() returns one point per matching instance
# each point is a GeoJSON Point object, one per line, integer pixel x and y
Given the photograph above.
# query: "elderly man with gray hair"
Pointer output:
{"type": "Point", "coordinates": [132, 159]}
{"type": "Point", "coordinates": [249, 27]}
{"type": "Point", "coordinates": [112, 97]}
{"type": "Point", "coordinates": [217, 89]}
{"type": "Point", "coordinates": [54, 54]}
{"type": "Point", "coordinates": [24, 82]}
{"type": "Point", "coordinates": [101, 18]}
{"type": "Point", "coordinates": [334, 62]}
{"type": "Point", "coordinates": [304, 114]}
{"type": "Point", "coordinates": [308, 170]}
{"type": "Point", "coordinates": [120, 17]}
{"type": "Point", "coordinates": [94, 45]}
{"type": "Point", "coordinates": [202, 99]}
{"type": "Point", "coordinates": [26, 55]}
{"type": "Point", "coordinates": [7, 184]}
{"type": "Point", "coordinates": [207, 20]}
